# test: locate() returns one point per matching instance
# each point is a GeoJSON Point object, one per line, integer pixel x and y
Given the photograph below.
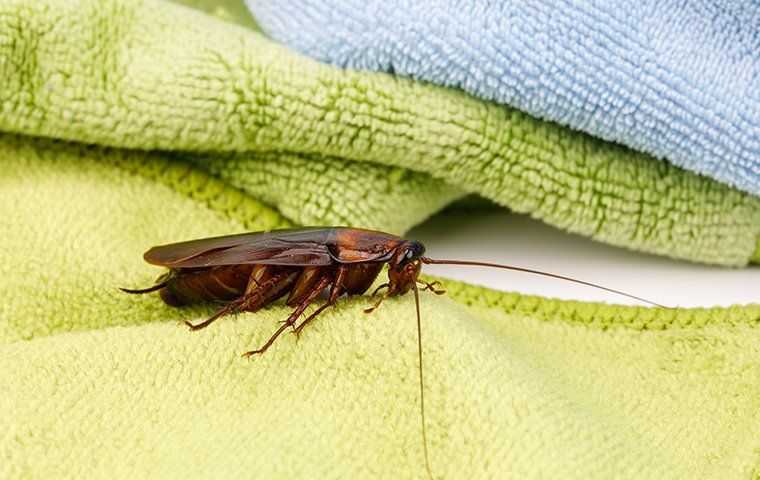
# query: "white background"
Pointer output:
{"type": "Point", "coordinates": [518, 240]}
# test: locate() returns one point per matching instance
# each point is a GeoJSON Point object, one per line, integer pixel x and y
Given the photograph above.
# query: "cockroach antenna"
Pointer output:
{"type": "Point", "coordinates": [432, 261]}
{"type": "Point", "coordinates": [422, 383]}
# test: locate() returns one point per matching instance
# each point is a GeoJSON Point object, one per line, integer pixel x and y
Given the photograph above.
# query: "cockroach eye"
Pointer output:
{"type": "Point", "coordinates": [413, 251]}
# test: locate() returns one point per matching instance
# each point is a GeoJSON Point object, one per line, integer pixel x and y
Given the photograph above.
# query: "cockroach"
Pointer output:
{"type": "Point", "coordinates": [249, 271]}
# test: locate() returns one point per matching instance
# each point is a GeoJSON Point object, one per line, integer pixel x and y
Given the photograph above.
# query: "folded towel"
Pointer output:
{"type": "Point", "coordinates": [98, 384]}
{"type": "Point", "coordinates": [154, 75]}
{"type": "Point", "coordinates": [679, 80]}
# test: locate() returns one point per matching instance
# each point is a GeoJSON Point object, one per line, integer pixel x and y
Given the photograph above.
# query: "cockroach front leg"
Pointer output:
{"type": "Point", "coordinates": [431, 286]}
{"type": "Point", "coordinates": [377, 304]}
{"type": "Point", "coordinates": [380, 287]}
{"type": "Point", "coordinates": [313, 294]}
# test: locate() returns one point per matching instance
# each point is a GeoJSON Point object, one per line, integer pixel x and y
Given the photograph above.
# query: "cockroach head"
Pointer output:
{"type": "Point", "coordinates": [411, 251]}
{"type": "Point", "coordinates": [405, 267]}
{"type": "Point", "coordinates": [407, 252]}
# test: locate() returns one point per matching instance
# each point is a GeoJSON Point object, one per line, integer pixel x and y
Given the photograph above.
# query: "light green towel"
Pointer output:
{"type": "Point", "coordinates": [98, 384]}
{"type": "Point", "coordinates": [155, 75]}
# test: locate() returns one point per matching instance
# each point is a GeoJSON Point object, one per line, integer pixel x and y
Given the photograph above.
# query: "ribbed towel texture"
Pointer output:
{"type": "Point", "coordinates": [165, 124]}
{"type": "Point", "coordinates": [679, 80]}
{"type": "Point", "coordinates": [153, 75]}
{"type": "Point", "coordinates": [98, 384]}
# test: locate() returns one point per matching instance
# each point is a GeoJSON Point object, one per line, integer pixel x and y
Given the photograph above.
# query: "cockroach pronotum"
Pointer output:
{"type": "Point", "coordinates": [248, 271]}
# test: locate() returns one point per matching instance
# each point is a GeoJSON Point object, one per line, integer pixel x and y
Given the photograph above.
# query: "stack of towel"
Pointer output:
{"type": "Point", "coordinates": [127, 124]}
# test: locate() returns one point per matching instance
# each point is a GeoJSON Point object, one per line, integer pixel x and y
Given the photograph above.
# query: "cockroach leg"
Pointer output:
{"type": "Point", "coordinates": [256, 291]}
{"type": "Point", "coordinates": [314, 293]}
{"type": "Point", "coordinates": [431, 286]}
{"type": "Point", "coordinates": [297, 330]}
{"type": "Point", "coordinates": [251, 296]}
{"type": "Point", "coordinates": [336, 291]}
{"type": "Point", "coordinates": [380, 287]}
{"type": "Point", "coordinates": [269, 343]}
{"type": "Point", "coordinates": [337, 287]}
{"type": "Point", "coordinates": [377, 304]}
{"type": "Point", "coordinates": [229, 308]}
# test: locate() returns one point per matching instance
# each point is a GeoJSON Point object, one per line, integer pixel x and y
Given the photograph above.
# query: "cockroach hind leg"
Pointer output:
{"type": "Point", "coordinates": [293, 317]}
{"type": "Point", "coordinates": [269, 342]}
{"type": "Point", "coordinates": [297, 330]}
{"type": "Point", "coordinates": [251, 353]}
{"type": "Point", "coordinates": [230, 308]}
{"type": "Point", "coordinates": [193, 327]}
{"type": "Point", "coordinates": [292, 325]}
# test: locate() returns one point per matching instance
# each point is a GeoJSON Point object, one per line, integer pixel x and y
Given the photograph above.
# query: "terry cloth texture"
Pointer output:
{"type": "Point", "coordinates": [679, 80]}
{"type": "Point", "coordinates": [99, 384]}
{"type": "Point", "coordinates": [327, 146]}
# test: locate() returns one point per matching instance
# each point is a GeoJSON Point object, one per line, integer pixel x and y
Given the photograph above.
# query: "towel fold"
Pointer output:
{"type": "Point", "coordinates": [99, 384]}
{"type": "Point", "coordinates": [153, 75]}
{"type": "Point", "coordinates": [169, 125]}
{"type": "Point", "coordinates": [679, 80]}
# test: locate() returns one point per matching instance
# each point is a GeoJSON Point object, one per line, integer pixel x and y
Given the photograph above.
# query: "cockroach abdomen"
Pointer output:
{"type": "Point", "coordinates": [170, 298]}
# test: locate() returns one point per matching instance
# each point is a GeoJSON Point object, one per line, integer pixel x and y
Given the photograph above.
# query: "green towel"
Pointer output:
{"type": "Point", "coordinates": [98, 384]}
{"type": "Point", "coordinates": [155, 75]}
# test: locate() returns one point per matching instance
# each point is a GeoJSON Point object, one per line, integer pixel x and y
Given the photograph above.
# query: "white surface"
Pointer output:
{"type": "Point", "coordinates": [518, 240]}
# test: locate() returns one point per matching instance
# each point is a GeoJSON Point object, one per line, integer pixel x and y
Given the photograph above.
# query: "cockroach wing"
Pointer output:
{"type": "Point", "coordinates": [303, 247]}
{"type": "Point", "coordinates": [296, 247]}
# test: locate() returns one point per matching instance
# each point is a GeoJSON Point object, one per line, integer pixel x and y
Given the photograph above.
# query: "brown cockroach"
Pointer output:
{"type": "Point", "coordinates": [251, 270]}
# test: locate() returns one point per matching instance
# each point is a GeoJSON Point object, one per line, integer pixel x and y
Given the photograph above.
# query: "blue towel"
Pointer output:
{"type": "Point", "coordinates": [676, 79]}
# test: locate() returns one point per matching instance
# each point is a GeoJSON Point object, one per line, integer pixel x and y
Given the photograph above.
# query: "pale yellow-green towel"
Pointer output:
{"type": "Point", "coordinates": [98, 384]}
